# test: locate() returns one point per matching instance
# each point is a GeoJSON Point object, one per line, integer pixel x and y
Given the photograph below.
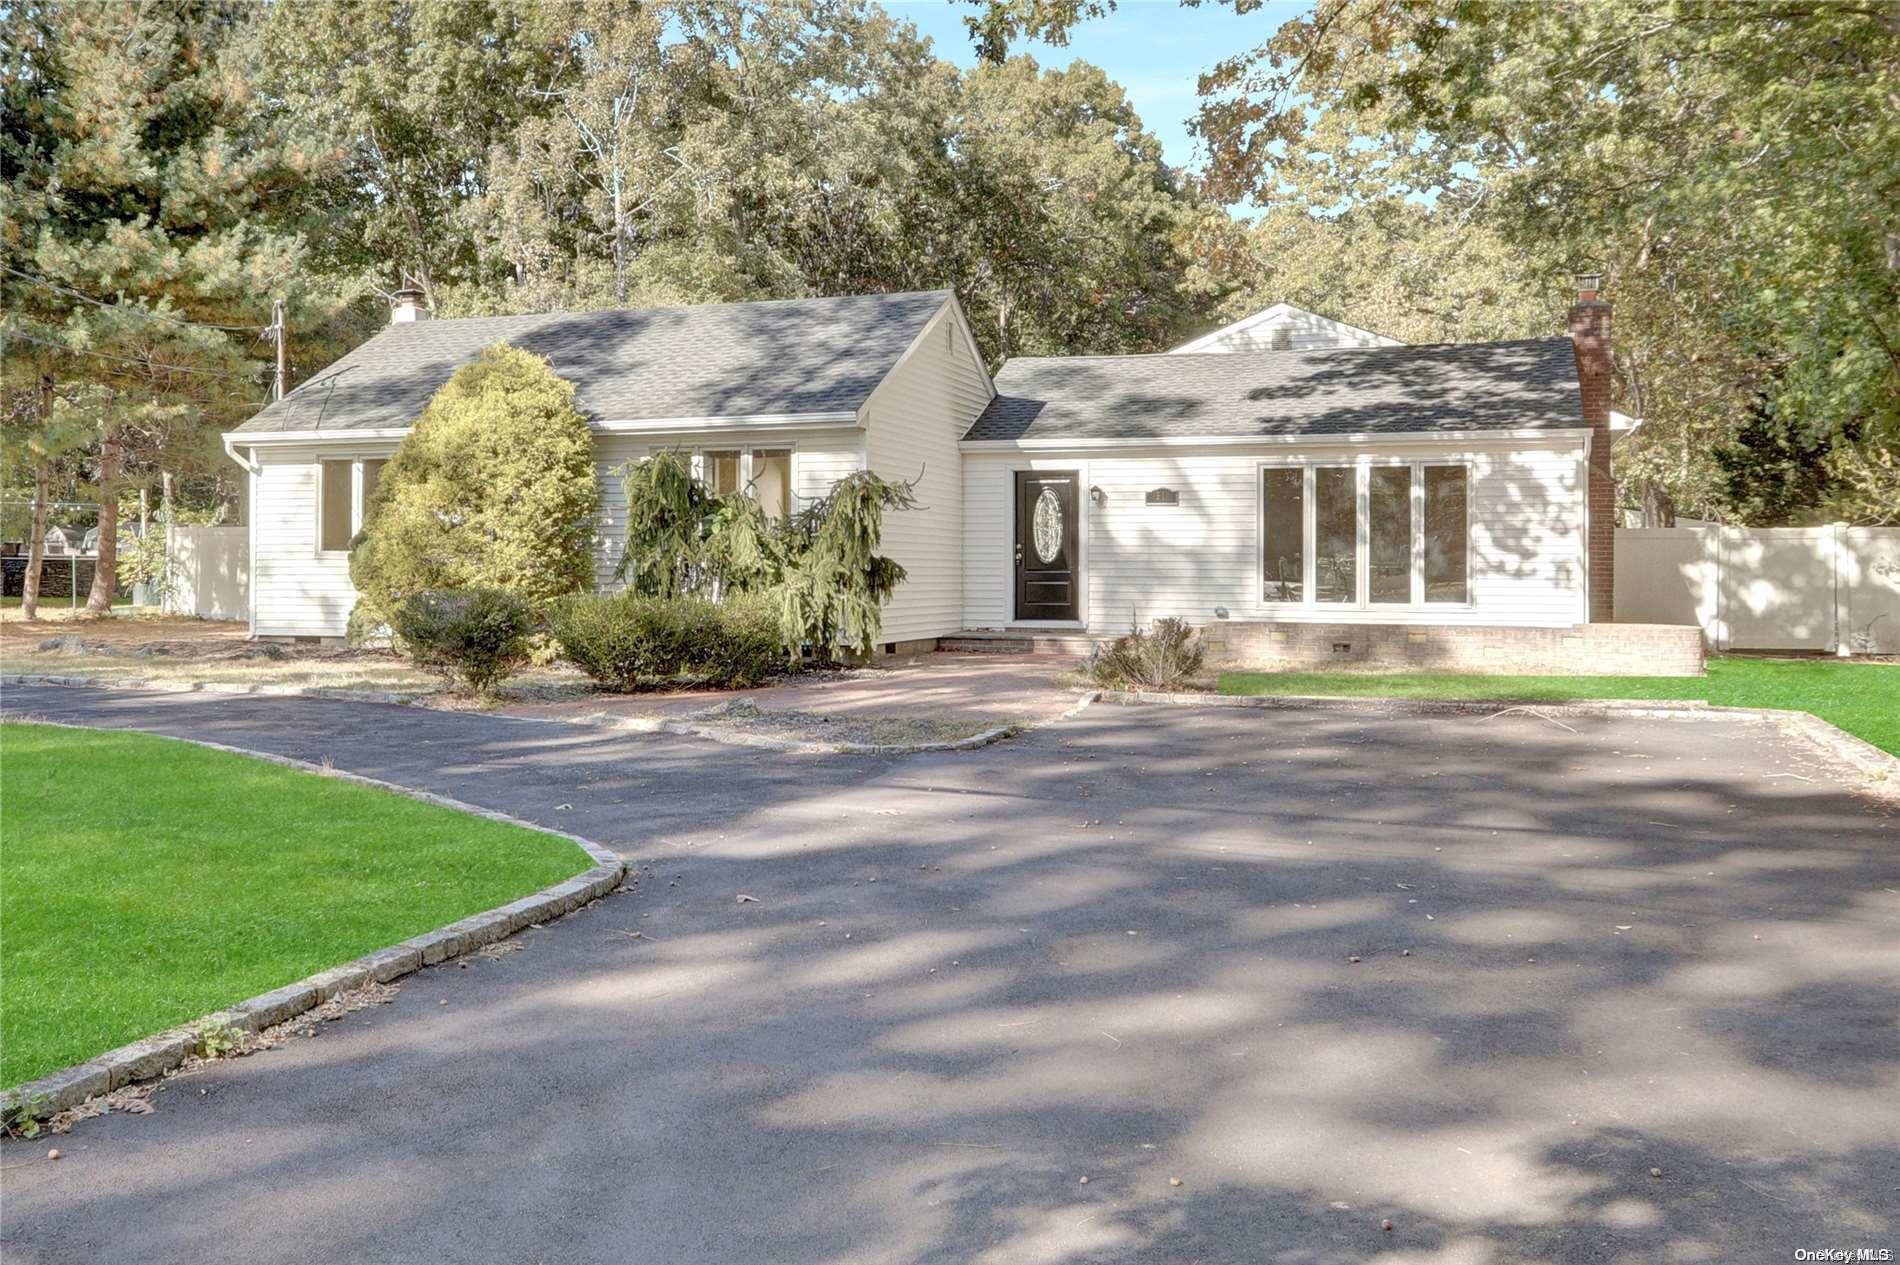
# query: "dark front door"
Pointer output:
{"type": "Point", "coordinates": [1046, 545]}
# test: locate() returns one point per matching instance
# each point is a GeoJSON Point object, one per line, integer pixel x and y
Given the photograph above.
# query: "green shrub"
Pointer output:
{"type": "Point", "coordinates": [478, 636]}
{"type": "Point", "coordinates": [684, 539]}
{"type": "Point", "coordinates": [1163, 658]}
{"type": "Point", "coordinates": [494, 487]}
{"type": "Point", "coordinates": [627, 640]}
{"type": "Point", "coordinates": [837, 583]}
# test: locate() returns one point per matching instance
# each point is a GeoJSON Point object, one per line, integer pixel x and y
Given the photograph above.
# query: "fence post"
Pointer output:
{"type": "Point", "coordinates": [1843, 596]}
{"type": "Point", "coordinates": [1716, 535]}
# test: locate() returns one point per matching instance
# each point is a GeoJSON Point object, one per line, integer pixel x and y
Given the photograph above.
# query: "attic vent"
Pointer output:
{"type": "Point", "coordinates": [1164, 496]}
{"type": "Point", "coordinates": [1282, 338]}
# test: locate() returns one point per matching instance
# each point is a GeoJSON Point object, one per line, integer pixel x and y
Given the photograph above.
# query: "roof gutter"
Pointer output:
{"type": "Point", "coordinates": [833, 417]}
{"type": "Point", "coordinates": [266, 437]}
{"type": "Point", "coordinates": [1361, 439]}
{"type": "Point", "coordinates": [230, 450]}
{"type": "Point", "coordinates": [617, 426]}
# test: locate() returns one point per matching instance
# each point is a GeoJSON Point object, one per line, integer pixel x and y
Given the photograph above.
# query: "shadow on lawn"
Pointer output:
{"type": "Point", "coordinates": [1118, 949]}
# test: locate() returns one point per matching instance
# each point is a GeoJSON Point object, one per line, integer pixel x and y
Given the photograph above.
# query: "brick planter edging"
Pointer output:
{"type": "Point", "coordinates": [155, 1055]}
{"type": "Point", "coordinates": [1864, 756]}
{"type": "Point", "coordinates": [599, 720]}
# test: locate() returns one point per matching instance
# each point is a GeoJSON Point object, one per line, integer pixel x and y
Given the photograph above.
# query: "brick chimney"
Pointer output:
{"type": "Point", "coordinates": [407, 306]}
{"type": "Point", "coordinates": [1590, 336]}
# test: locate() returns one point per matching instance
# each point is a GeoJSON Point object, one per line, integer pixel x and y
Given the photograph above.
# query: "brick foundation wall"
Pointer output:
{"type": "Point", "coordinates": [1583, 650]}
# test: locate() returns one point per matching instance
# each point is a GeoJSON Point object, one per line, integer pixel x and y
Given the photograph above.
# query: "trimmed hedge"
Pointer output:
{"type": "Point", "coordinates": [627, 640]}
{"type": "Point", "coordinates": [477, 635]}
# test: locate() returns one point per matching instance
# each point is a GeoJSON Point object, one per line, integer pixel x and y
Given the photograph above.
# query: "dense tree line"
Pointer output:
{"type": "Point", "coordinates": [1732, 166]}
{"type": "Point", "coordinates": [1431, 168]}
{"type": "Point", "coordinates": [173, 166]}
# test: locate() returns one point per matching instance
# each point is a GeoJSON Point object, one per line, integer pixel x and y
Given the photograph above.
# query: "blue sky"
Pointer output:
{"type": "Point", "coordinates": [1155, 49]}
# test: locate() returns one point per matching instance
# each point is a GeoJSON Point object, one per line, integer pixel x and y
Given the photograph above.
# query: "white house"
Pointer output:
{"type": "Point", "coordinates": [1336, 478]}
{"type": "Point", "coordinates": [1284, 327]}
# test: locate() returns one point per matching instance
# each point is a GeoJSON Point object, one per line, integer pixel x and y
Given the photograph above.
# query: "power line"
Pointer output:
{"type": "Point", "coordinates": [130, 360]}
{"type": "Point", "coordinates": [125, 307]}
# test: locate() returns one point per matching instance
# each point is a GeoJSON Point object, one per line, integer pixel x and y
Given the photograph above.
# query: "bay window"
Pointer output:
{"type": "Point", "coordinates": [1365, 535]}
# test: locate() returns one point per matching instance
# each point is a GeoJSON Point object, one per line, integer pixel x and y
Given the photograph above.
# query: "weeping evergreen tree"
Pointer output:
{"type": "Point", "coordinates": [669, 516]}
{"type": "Point", "coordinates": [745, 550]}
{"type": "Point", "coordinates": [834, 593]}
{"type": "Point", "coordinates": [684, 540]}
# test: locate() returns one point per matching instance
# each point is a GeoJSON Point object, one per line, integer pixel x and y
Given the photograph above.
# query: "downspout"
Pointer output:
{"type": "Point", "coordinates": [251, 470]}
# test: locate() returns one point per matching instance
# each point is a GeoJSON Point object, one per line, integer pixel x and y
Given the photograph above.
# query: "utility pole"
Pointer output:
{"type": "Point", "coordinates": [283, 358]}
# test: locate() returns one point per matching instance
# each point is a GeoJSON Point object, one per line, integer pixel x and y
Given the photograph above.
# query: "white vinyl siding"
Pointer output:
{"type": "Point", "coordinates": [912, 424]}
{"type": "Point", "coordinates": [820, 457]}
{"type": "Point", "coordinates": [1141, 561]}
{"type": "Point", "coordinates": [302, 591]}
{"type": "Point", "coordinates": [299, 590]}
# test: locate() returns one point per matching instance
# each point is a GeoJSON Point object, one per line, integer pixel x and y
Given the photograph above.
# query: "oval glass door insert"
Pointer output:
{"type": "Point", "coordinates": [1046, 526]}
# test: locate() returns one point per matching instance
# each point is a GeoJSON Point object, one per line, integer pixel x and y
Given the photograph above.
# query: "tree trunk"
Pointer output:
{"type": "Point", "coordinates": [35, 549]}
{"type": "Point", "coordinates": [36, 538]}
{"type": "Point", "coordinates": [105, 568]}
{"type": "Point", "coordinates": [620, 208]}
{"type": "Point", "coordinates": [1659, 510]}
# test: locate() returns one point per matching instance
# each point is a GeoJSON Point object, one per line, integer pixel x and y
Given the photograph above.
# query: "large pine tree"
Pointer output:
{"type": "Point", "coordinates": [144, 234]}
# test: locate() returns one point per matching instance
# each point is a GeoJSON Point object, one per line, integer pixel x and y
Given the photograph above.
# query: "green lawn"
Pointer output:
{"type": "Point", "coordinates": [1862, 698]}
{"type": "Point", "coordinates": [145, 882]}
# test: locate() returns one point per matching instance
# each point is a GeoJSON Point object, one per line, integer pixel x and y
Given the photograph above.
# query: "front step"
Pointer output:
{"type": "Point", "coordinates": [1018, 641]}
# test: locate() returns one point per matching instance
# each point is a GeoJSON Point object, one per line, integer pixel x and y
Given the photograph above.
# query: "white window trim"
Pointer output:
{"type": "Point", "coordinates": [356, 501]}
{"type": "Point", "coordinates": [696, 461]}
{"type": "Point", "coordinates": [1362, 604]}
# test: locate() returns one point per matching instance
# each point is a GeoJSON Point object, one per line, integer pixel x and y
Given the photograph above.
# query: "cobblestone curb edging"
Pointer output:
{"type": "Point", "coordinates": [155, 1055]}
{"type": "Point", "coordinates": [685, 727]}
{"type": "Point", "coordinates": [1881, 768]}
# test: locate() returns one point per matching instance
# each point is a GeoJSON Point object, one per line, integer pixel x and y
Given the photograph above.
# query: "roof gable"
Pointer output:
{"type": "Point", "coordinates": [1304, 330]}
{"type": "Point", "coordinates": [782, 358]}
{"type": "Point", "coordinates": [1521, 385]}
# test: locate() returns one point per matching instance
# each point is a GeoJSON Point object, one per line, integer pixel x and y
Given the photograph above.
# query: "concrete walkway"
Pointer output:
{"type": "Point", "coordinates": [1484, 979]}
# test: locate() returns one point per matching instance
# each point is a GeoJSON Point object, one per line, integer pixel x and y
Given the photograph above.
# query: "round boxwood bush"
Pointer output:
{"type": "Point", "coordinates": [478, 636]}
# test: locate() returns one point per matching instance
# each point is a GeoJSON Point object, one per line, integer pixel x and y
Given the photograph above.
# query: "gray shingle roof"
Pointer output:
{"type": "Point", "coordinates": [1369, 390]}
{"type": "Point", "coordinates": [717, 360]}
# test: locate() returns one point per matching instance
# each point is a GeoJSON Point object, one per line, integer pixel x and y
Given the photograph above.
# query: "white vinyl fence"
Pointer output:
{"type": "Point", "coordinates": [209, 572]}
{"type": "Point", "coordinates": [1833, 588]}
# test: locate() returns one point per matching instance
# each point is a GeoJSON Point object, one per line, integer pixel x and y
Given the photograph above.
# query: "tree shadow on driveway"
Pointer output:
{"type": "Point", "coordinates": [1121, 949]}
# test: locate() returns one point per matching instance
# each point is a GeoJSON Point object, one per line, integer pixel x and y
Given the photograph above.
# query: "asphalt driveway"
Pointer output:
{"type": "Point", "coordinates": [1121, 949]}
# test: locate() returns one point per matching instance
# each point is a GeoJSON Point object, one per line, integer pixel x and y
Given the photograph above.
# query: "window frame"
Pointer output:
{"type": "Point", "coordinates": [356, 501]}
{"type": "Point", "coordinates": [1362, 466]}
{"type": "Point", "coordinates": [746, 448]}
